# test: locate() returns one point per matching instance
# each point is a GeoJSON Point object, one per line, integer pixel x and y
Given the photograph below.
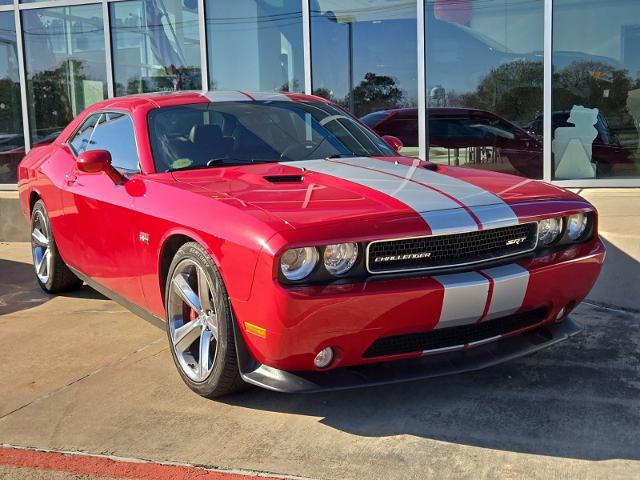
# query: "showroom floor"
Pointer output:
{"type": "Point", "coordinates": [82, 374]}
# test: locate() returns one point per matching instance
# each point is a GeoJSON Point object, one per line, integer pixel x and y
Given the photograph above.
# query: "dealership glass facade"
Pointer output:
{"type": "Point", "coordinates": [255, 45]}
{"type": "Point", "coordinates": [539, 88]}
{"type": "Point", "coordinates": [64, 64]}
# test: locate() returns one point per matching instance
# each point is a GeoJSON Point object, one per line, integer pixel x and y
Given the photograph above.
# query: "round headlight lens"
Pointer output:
{"type": "Point", "coordinates": [576, 226]}
{"type": "Point", "coordinates": [298, 263]}
{"type": "Point", "coordinates": [549, 230]}
{"type": "Point", "coordinates": [339, 258]}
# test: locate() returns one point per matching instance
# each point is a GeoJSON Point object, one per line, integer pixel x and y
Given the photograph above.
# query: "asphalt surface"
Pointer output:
{"type": "Point", "coordinates": [80, 373]}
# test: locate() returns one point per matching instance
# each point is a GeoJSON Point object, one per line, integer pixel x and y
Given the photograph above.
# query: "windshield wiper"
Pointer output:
{"type": "Point", "coordinates": [216, 162]}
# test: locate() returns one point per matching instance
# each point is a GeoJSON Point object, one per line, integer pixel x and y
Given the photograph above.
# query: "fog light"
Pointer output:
{"type": "Point", "coordinates": [324, 358]}
{"type": "Point", "coordinates": [560, 315]}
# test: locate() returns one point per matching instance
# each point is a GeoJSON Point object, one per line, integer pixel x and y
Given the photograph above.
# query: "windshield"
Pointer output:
{"type": "Point", "coordinates": [239, 133]}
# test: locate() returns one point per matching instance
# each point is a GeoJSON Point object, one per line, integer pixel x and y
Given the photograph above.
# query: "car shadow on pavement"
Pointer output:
{"type": "Point", "coordinates": [20, 291]}
{"type": "Point", "coordinates": [579, 399]}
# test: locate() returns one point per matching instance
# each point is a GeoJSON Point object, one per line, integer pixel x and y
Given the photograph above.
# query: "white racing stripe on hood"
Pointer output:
{"type": "Point", "coordinates": [490, 209]}
{"type": "Point", "coordinates": [441, 214]}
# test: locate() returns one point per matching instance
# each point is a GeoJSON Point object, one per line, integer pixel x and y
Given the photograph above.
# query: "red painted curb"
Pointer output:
{"type": "Point", "coordinates": [106, 467]}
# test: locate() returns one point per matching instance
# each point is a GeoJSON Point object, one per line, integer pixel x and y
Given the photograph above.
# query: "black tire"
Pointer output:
{"type": "Point", "coordinates": [224, 377]}
{"type": "Point", "coordinates": [58, 277]}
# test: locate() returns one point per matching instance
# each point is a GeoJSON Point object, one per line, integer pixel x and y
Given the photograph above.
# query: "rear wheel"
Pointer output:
{"type": "Point", "coordinates": [199, 324]}
{"type": "Point", "coordinates": [52, 273]}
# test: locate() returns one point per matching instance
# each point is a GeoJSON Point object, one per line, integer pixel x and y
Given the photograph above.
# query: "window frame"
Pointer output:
{"type": "Point", "coordinates": [102, 112]}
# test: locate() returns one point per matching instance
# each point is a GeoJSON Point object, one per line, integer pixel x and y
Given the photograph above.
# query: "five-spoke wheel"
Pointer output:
{"type": "Point", "coordinates": [199, 324]}
{"type": "Point", "coordinates": [52, 273]}
{"type": "Point", "coordinates": [193, 322]}
{"type": "Point", "coordinates": [40, 243]}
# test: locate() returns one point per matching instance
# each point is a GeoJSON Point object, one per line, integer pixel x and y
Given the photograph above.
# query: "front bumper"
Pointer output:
{"type": "Point", "coordinates": [411, 369]}
{"type": "Point", "coordinates": [296, 323]}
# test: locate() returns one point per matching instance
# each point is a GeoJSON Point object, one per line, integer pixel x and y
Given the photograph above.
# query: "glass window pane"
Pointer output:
{"type": "Point", "coordinates": [596, 89]}
{"type": "Point", "coordinates": [6, 2]}
{"type": "Point", "coordinates": [486, 57]}
{"type": "Point", "coordinates": [65, 64]}
{"type": "Point", "coordinates": [265, 35]}
{"type": "Point", "coordinates": [156, 46]}
{"type": "Point", "coordinates": [11, 134]}
{"type": "Point", "coordinates": [240, 133]}
{"type": "Point", "coordinates": [115, 134]}
{"type": "Point", "coordinates": [365, 56]}
{"type": "Point", "coordinates": [82, 139]}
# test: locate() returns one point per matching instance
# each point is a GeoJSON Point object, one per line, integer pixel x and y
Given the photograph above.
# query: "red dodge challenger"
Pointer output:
{"type": "Point", "coordinates": [282, 243]}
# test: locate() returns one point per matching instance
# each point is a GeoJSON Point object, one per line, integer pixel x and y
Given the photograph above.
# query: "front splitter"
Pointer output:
{"type": "Point", "coordinates": [385, 373]}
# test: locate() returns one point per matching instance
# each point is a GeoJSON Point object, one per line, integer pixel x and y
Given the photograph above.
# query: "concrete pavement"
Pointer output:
{"type": "Point", "coordinates": [82, 374]}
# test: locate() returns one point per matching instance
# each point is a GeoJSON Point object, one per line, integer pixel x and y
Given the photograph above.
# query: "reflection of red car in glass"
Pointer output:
{"type": "Point", "coordinates": [468, 128]}
{"type": "Point", "coordinates": [456, 128]}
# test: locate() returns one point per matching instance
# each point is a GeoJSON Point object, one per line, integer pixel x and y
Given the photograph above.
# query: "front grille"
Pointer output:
{"type": "Point", "coordinates": [454, 336]}
{"type": "Point", "coordinates": [441, 251]}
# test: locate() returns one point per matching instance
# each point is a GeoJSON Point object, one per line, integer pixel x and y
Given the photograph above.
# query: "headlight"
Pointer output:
{"type": "Point", "coordinates": [549, 230]}
{"type": "Point", "coordinates": [298, 263]}
{"type": "Point", "coordinates": [576, 226]}
{"type": "Point", "coordinates": [339, 258]}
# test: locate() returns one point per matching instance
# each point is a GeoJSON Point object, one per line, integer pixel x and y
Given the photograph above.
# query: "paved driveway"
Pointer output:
{"type": "Point", "coordinates": [80, 373]}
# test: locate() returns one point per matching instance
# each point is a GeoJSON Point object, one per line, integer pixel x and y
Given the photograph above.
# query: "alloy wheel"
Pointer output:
{"type": "Point", "coordinates": [193, 320]}
{"type": "Point", "coordinates": [41, 247]}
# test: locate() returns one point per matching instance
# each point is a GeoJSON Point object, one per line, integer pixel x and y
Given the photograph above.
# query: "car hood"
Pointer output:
{"type": "Point", "coordinates": [311, 192]}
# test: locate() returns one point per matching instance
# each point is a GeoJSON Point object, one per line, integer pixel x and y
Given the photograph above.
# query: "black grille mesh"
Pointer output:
{"type": "Point", "coordinates": [454, 336]}
{"type": "Point", "coordinates": [451, 250]}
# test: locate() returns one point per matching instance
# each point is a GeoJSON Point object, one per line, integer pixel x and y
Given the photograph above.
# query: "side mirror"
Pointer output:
{"type": "Point", "coordinates": [393, 142]}
{"type": "Point", "coordinates": [96, 161]}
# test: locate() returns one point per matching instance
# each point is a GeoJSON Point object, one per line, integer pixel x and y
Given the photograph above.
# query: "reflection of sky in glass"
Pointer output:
{"type": "Point", "coordinates": [464, 47]}
{"type": "Point", "coordinates": [156, 42]}
{"type": "Point", "coordinates": [606, 31]}
{"type": "Point", "coordinates": [255, 45]}
{"type": "Point", "coordinates": [384, 43]}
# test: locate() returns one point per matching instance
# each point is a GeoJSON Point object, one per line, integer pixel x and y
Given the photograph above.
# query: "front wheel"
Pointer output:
{"type": "Point", "coordinates": [52, 273]}
{"type": "Point", "coordinates": [199, 324]}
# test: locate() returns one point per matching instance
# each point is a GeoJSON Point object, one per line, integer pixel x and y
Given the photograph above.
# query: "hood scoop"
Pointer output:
{"type": "Point", "coordinates": [284, 178]}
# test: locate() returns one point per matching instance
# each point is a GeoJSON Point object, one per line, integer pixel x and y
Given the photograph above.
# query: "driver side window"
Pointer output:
{"type": "Point", "coordinates": [82, 139]}
{"type": "Point", "coordinates": [115, 134]}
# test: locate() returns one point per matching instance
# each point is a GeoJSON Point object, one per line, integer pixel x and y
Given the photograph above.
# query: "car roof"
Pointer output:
{"type": "Point", "coordinates": [166, 99]}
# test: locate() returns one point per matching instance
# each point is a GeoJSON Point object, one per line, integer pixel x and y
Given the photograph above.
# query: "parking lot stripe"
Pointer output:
{"type": "Point", "coordinates": [102, 466]}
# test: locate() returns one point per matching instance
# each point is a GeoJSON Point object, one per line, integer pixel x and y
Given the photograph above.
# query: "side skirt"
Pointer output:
{"type": "Point", "coordinates": [246, 362]}
{"type": "Point", "coordinates": [132, 307]}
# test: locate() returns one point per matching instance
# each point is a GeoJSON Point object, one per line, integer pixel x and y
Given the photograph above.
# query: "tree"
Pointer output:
{"type": "Point", "coordinates": [513, 91]}
{"type": "Point", "coordinates": [376, 92]}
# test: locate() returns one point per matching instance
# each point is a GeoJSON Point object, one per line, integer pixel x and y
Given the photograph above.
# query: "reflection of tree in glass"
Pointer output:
{"type": "Point", "coordinates": [293, 86]}
{"type": "Point", "coordinates": [10, 121]}
{"type": "Point", "coordinates": [50, 89]}
{"type": "Point", "coordinates": [513, 91]}
{"type": "Point", "coordinates": [328, 94]}
{"type": "Point", "coordinates": [598, 85]}
{"type": "Point", "coordinates": [376, 92]}
{"type": "Point", "coordinates": [170, 79]}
